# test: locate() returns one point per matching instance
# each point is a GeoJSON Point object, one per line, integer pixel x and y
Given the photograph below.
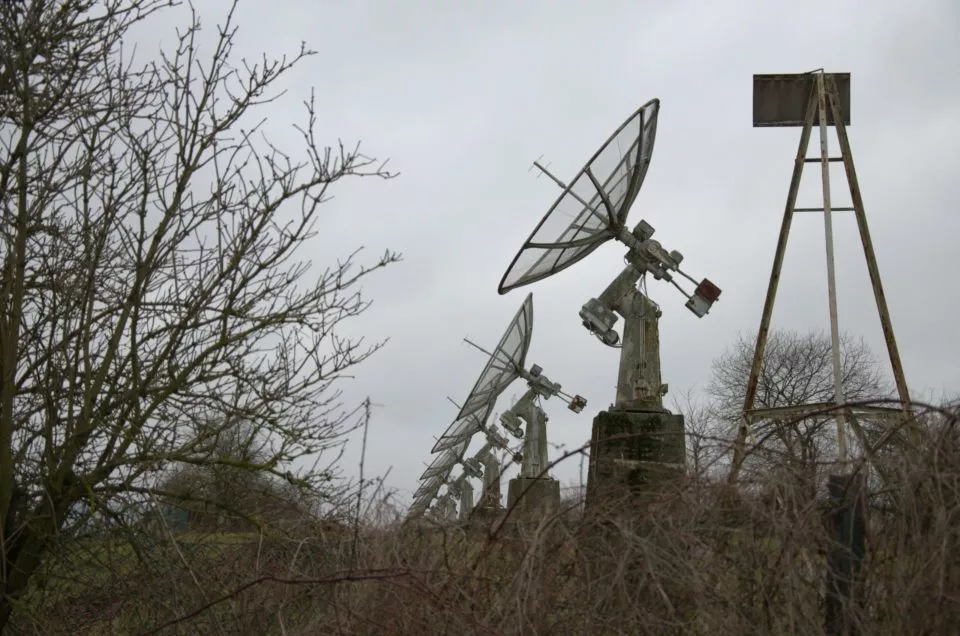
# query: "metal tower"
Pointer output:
{"type": "Point", "coordinates": [809, 100]}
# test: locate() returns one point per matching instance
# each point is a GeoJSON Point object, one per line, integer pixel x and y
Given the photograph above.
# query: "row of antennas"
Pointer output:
{"type": "Point", "coordinates": [598, 199]}
{"type": "Point", "coordinates": [505, 364]}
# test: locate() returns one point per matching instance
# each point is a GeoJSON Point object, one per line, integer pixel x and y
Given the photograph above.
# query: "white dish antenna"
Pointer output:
{"type": "Point", "coordinates": [430, 487]}
{"type": "Point", "coordinates": [419, 506]}
{"type": "Point", "coordinates": [450, 448]}
{"type": "Point", "coordinates": [443, 463]}
{"type": "Point", "coordinates": [507, 362]}
{"type": "Point", "coordinates": [463, 428]}
{"type": "Point", "coordinates": [598, 199]}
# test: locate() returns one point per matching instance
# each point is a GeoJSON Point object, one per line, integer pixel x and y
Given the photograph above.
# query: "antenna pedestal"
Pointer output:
{"type": "Point", "coordinates": [490, 495]}
{"type": "Point", "coordinates": [534, 492]}
{"type": "Point", "coordinates": [445, 509]}
{"type": "Point", "coordinates": [638, 381]}
{"type": "Point", "coordinates": [466, 501]}
{"type": "Point", "coordinates": [535, 444]}
{"type": "Point", "coordinates": [530, 498]}
{"type": "Point", "coordinates": [633, 454]}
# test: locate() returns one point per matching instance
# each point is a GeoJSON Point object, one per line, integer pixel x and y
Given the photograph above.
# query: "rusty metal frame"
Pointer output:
{"type": "Point", "coordinates": [799, 410]}
{"type": "Point", "coordinates": [776, 99]}
{"type": "Point", "coordinates": [823, 95]}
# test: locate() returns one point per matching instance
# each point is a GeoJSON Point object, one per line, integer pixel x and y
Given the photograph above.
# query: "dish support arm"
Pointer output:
{"type": "Point", "coordinates": [639, 384]}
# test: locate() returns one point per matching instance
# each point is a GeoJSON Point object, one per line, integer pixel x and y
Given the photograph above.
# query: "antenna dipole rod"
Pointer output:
{"type": "Point", "coordinates": [550, 174]}
{"type": "Point", "coordinates": [569, 191]}
{"type": "Point", "coordinates": [474, 344]}
{"type": "Point", "coordinates": [450, 399]}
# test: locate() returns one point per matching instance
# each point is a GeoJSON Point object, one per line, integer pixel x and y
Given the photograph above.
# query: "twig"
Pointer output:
{"type": "Point", "coordinates": [340, 577]}
{"type": "Point", "coordinates": [363, 458]}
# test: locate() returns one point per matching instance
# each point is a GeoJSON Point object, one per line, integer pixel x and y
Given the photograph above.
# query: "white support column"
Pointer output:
{"type": "Point", "coordinates": [831, 270]}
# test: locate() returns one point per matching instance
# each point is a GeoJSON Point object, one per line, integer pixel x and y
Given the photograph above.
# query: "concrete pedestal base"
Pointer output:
{"type": "Point", "coordinates": [530, 495]}
{"type": "Point", "coordinates": [485, 512]}
{"type": "Point", "coordinates": [482, 517]}
{"type": "Point", "coordinates": [632, 452]}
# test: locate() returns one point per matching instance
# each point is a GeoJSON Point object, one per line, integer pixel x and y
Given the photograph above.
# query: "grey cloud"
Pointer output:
{"type": "Point", "coordinates": [463, 96]}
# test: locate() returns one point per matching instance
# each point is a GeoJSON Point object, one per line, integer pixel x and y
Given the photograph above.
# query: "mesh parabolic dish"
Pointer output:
{"type": "Point", "coordinates": [425, 499]}
{"type": "Point", "coordinates": [430, 487]}
{"type": "Point", "coordinates": [609, 182]}
{"type": "Point", "coordinates": [444, 462]}
{"type": "Point", "coordinates": [416, 509]}
{"type": "Point", "coordinates": [504, 365]}
{"type": "Point", "coordinates": [420, 504]}
{"type": "Point", "coordinates": [462, 430]}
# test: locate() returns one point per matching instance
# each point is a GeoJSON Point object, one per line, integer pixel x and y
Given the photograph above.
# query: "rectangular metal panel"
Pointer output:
{"type": "Point", "coordinates": [781, 100]}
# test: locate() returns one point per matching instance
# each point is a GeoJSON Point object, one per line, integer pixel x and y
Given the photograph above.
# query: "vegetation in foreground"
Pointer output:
{"type": "Point", "coordinates": [688, 558]}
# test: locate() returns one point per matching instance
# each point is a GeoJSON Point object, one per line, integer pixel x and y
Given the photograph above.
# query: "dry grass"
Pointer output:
{"type": "Point", "coordinates": [693, 559]}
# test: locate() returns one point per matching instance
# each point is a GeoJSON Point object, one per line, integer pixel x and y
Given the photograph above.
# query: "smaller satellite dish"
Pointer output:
{"type": "Point", "coordinates": [418, 507]}
{"type": "Point", "coordinates": [463, 429]}
{"type": "Point", "coordinates": [445, 461]}
{"type": "Point", "coordinates": [505, 364]}
{"type": "Point", "coordinates": [430, 487]}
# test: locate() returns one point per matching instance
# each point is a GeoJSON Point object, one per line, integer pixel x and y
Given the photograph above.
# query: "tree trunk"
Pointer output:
{"type": "Point", "coordinates": [22, 559]}
{"type": "Point", "coordinates": [25, 548]}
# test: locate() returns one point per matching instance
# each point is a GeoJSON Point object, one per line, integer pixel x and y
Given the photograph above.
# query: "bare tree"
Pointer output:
{"type": "Point", "coordinates": [150, 295]}
{"type": "Point", "coordinates": [225, 494]}
{"type": "Point", "coordinates": [704, 447]}
{"type": "Point", "coordinates": [796, 370]}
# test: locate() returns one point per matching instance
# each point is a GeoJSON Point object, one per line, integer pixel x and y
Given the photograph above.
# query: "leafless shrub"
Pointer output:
{"type": "Point", "coordinates": [689, 559]}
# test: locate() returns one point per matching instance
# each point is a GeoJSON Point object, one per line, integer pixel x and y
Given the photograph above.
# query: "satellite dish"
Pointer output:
{"type": "Point", "coordinates": [463, 428]}
{"type": "Point", "coordinates": [597, 199]}
{"type": "Point", "coordinates": [418, 507]}
{"type": "Point", "coordinates": [506, 364]}
{"type": "Point", "coordinates": [446, 460]}
{"type": "Point", "coordinates": [430, 487]}
{"type": "Point", "coordinates": [451, 447]}
{"type": "Point", "coordinates": [439, 470]}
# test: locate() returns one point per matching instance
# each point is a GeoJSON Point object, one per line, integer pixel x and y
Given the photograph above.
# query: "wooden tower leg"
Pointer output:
{"type": "Point", "coordinates": [739, 449]}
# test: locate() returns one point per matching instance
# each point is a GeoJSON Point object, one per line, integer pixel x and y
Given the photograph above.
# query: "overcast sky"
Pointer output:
{"type": "Point", "coordinates": [462, 96]}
